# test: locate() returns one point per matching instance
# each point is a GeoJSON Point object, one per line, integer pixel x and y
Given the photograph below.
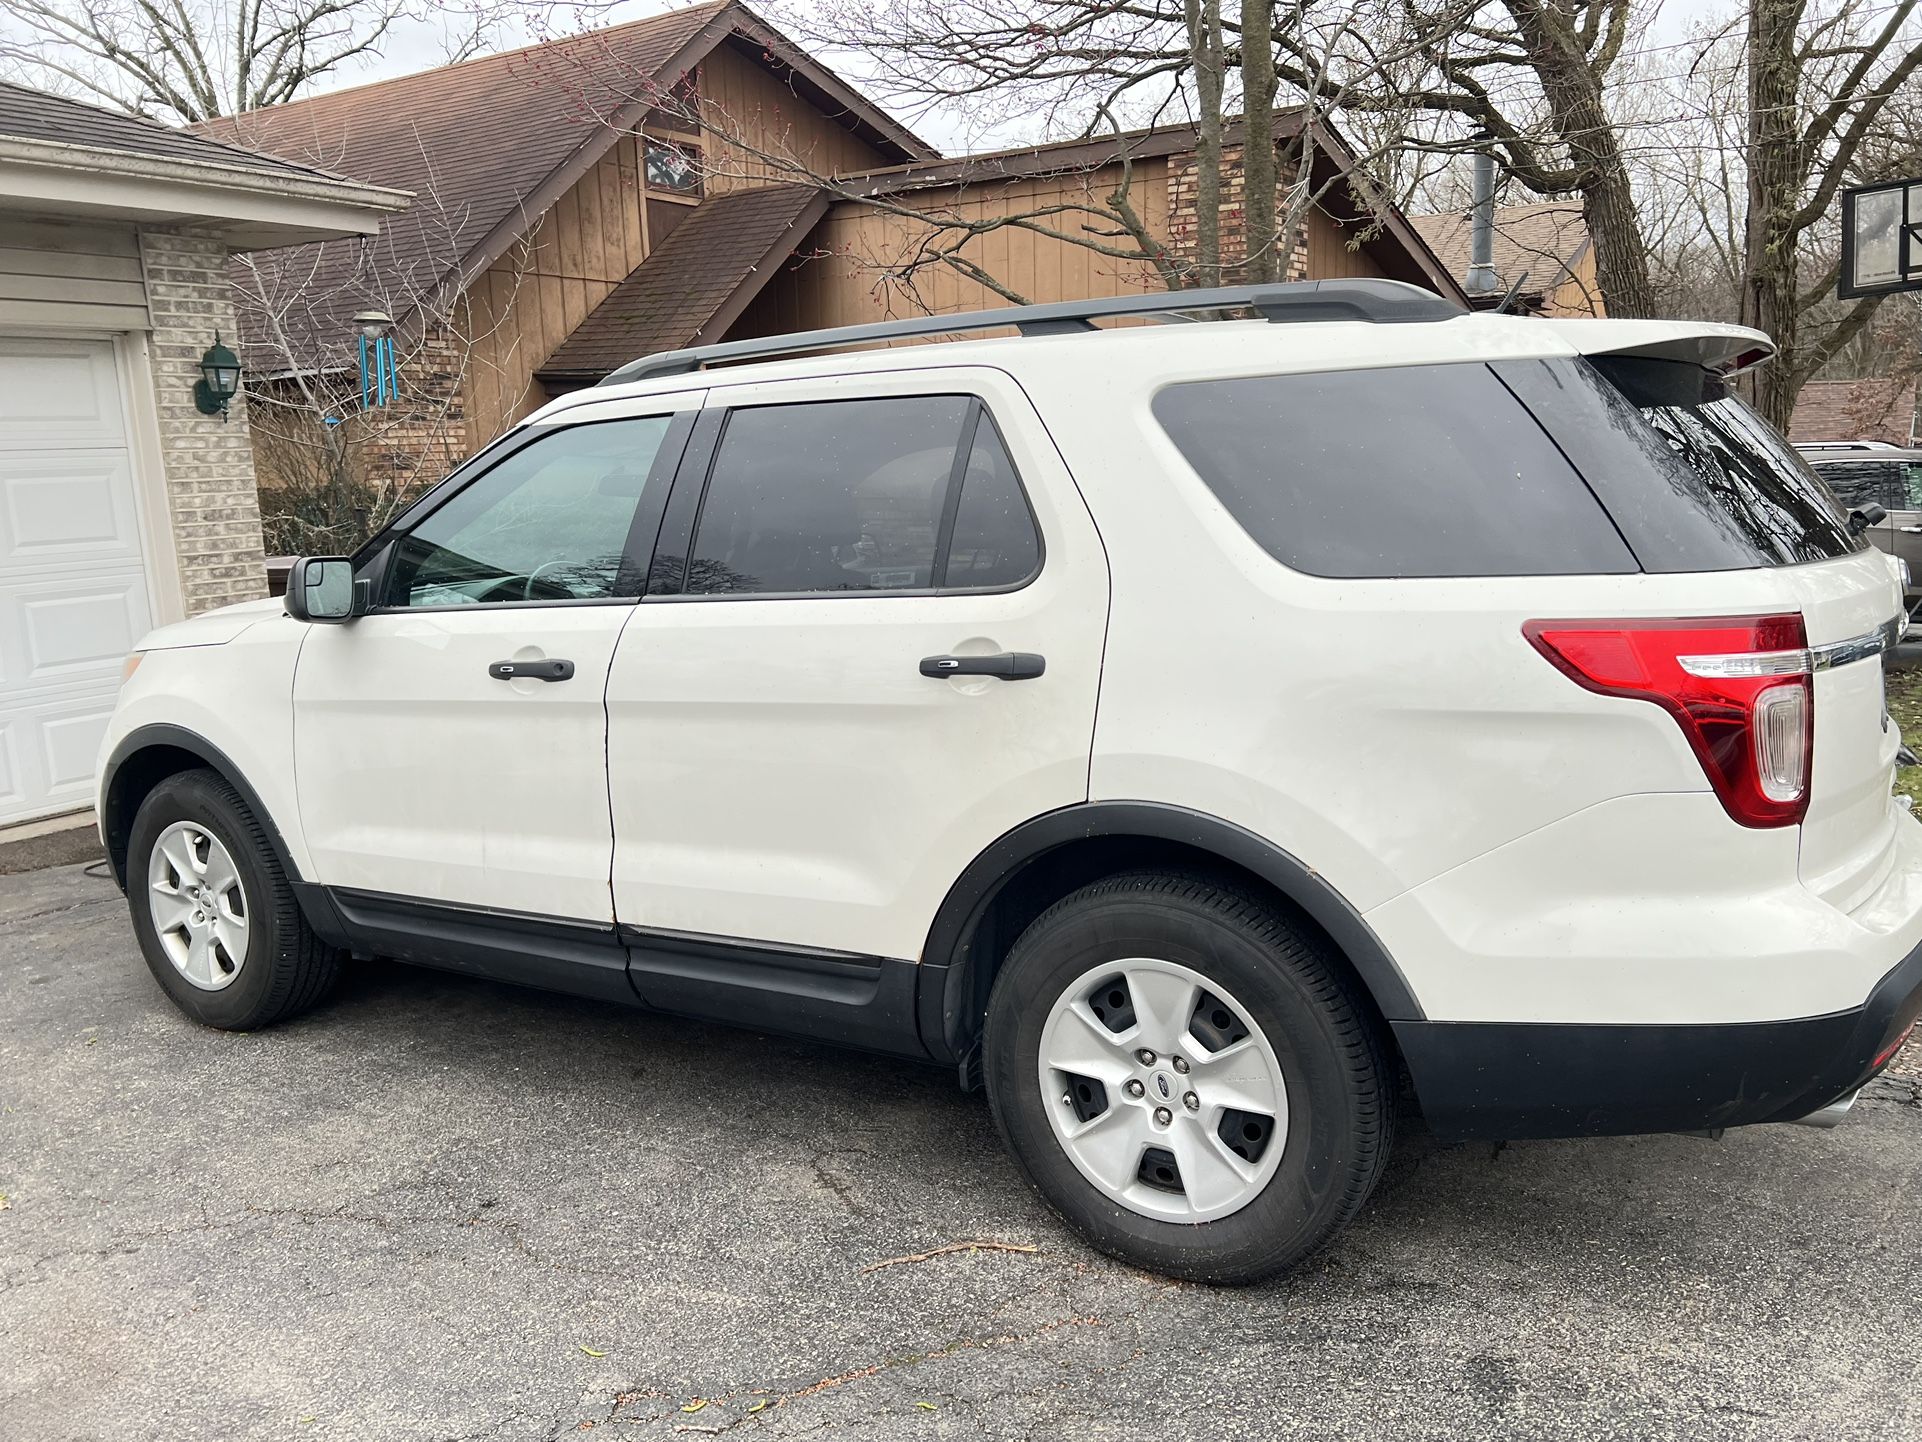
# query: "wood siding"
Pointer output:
{"type": "Point", "coordinates": [1331, 253]}
{"type": "Point", "coordinates": [1579, 293]}
{"type": "Point", "coordinates": [756, 121]}
{"type": "Point", "coordinates": [855, 254]}
{"type": "Point", "coordinates": [59, 273]}
{"type": "Point", "coordinates": [532, 297]}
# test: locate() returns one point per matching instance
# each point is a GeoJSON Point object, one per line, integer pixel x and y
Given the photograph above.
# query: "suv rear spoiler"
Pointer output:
{"type": "Point", "coordinates": [1726, 349]}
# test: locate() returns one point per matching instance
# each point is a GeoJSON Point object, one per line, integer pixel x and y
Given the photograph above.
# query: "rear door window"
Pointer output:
{"type": "Point", "coordinates": [1411, 471]}
{"type": "Point", "coordinates": [889, 494]}
{"type": "Point", "coordinates": [1865, 483]}
{"type": "Point", "coordinates": [1695, 479]}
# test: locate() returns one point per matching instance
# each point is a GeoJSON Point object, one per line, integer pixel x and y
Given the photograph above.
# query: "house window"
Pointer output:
{"type": "Point", "coordinates": [675, 169]}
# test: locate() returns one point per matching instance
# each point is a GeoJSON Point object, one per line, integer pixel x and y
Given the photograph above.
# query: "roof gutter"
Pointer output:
{"type": "Point", "coordinates": [63, 179]}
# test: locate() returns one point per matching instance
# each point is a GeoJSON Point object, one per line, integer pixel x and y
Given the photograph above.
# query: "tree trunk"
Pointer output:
{"type": "Point", "coordinates": [1258, 200]}
{"type": "Point", "coordinates": [1774, 194]}
{"type": "Point", "coordinates": [1573, 91]}
{"type": "Point", "coordinates": [1205, 50]}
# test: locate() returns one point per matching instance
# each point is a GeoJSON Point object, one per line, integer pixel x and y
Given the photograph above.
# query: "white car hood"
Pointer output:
{"type": "Point", "coordinates": [212, 628]}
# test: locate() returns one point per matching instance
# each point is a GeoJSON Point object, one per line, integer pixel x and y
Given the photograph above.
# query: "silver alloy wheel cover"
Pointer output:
{"type": "Point", "coordinates": [1107, 1150]}
{"type": "Point", "coordinates": [199, 907]}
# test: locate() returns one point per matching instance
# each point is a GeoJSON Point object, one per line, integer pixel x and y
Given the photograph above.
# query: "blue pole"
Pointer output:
{"type": "Point", "coordinates": [365, 400]}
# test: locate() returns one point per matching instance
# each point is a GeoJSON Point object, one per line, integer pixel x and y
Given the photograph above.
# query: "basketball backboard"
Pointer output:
{"type": "Point", "coordinates": [1881, 238]}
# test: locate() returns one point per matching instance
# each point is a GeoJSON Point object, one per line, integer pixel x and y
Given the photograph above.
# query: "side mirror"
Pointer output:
{"type": "Point", "coordinates": [323, 589]}
{"type": "Point", "coordinates": [1866, 515]}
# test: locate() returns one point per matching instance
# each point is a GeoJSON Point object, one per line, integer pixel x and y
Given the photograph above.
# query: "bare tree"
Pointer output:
{"type": "Point", "coordinates": [335, 462]}
{"type": "Point", "coordinates": [180, 62]}
{"type": "Point", "coordinates": [1090, 67]}
{"type": "Point", "coordinates": [1823, 81]}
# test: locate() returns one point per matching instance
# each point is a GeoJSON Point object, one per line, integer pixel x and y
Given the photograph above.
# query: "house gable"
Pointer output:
{"type": "Point", "coordinates": [500, 149]}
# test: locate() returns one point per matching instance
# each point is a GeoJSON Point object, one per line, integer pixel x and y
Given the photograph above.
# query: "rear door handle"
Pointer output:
{"type": "Point", "coordinates": [1009, 666]}
{"type": "Point", "coordinates": [532, 670]}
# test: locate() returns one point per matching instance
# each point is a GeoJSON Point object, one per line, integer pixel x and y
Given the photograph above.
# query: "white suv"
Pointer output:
{"type": "Point", "coordinates": [1221, 740]}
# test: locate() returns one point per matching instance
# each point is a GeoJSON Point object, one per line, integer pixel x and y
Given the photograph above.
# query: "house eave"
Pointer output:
{"type": "Point", "coordinates": [251, 209]}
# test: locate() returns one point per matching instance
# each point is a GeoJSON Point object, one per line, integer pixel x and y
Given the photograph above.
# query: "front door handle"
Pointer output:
{"type": "Point", "coordinates": [532, 670]}
{"type": "Point", "coordinates": [1009, 666]}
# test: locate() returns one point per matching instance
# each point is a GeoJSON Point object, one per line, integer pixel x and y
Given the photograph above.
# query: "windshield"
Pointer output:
{"type": "Point", "coordinates": [1696, 480]}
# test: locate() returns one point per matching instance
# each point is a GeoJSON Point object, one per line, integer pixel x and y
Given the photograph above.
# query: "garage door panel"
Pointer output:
{"type": "Point", "coordinates": [83, 631]}
{"type": "Point", "coordinates": [70, 744]}
{"type": "Point", "coordinates": [13, 794]}
{"type": "Point", "coordinates": [73, 583]}
{"type": "Point", "coordinates": [48, 750]}
{"type": "Point", "coordinates": [58, 393]}
{"type": "Point", "coordinates": [57, 506]}
{"type": "Point", "coordinates": [73, 632]}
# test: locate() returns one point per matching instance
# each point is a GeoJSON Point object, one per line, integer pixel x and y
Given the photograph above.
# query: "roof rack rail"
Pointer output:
{"type": "Point", "coordinates": [1382, 301]}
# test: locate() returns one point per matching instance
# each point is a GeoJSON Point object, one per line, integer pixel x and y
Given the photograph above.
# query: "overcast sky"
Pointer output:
{"type": "Point", "coordinates": [421, 45]}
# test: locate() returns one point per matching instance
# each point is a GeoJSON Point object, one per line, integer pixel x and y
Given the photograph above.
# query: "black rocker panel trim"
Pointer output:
{"type": "Point", "coordinates": [947, 1009]}
{"type": "Point", "coordinates": [857, 1001]}
{"type": "Point", "coordinates": [116, 820]}
{"type": "Point", "coordinates": [582, 958]}
{"type": "Point", "coordinates": [1512, 1080]}
{"type": "Point", "coordinates": [837, 997]}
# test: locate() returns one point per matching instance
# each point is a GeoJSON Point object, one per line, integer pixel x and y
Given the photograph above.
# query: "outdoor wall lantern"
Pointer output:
{"type": "Point", "coordinates": [219, 380]}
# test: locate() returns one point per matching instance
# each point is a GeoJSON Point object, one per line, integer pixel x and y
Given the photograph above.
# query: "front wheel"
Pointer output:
{"type": "Point", "coordinates": [213, 911]}
{"type": "Point", "coordinates": [1186, 1078]}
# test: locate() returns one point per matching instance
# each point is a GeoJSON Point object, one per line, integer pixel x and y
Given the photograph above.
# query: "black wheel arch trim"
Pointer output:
{"type": "Point", "coordinates": [944, 1008]}
{"type": "Point", "coordinates": [116, 818]}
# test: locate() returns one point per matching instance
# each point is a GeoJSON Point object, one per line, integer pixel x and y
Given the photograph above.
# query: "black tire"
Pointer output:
{"type": "Point", "coordinates": [286, 968]}
{"type": "Point", "coordinates": [1339, 1078]}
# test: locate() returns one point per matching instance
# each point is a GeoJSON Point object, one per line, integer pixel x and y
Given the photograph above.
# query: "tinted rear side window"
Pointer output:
{"type": "Point", "coordinates": [1696, 480]}
{"type": "Point", "coordinates": [1410, 471]}
{"type": "Point", "coordinates": [995, 543]}
{"type": "Point", "coordinates": [828, 496]}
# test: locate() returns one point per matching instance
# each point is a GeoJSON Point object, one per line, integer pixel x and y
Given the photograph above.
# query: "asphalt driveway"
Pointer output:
{"type": "Point", "coordinates": [441, 1209]}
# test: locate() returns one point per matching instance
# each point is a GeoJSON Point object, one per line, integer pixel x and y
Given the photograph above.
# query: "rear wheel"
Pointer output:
{"type": "Point", "coordinates": [213, 911]}
{"type": "Point", "coordinates": [1185, 1076]}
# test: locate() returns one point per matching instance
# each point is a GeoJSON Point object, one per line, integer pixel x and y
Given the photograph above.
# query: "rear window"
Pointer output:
{"type": "Point", "coordinates": [1409, 471]}
{"type": "Point", "coordinates": [1695, 479]}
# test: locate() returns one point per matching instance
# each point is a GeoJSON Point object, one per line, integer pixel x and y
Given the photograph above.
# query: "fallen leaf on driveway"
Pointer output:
{"type": "Point", "coordinates": [696, 1405]}
{"type": "Point", "coordinates": [926, 1406]}
{"type": "Point", "coordinates": [589, 1350]}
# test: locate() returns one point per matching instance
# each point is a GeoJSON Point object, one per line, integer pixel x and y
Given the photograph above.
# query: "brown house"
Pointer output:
{"type": "Point", "coordinates": [1868, 410]}
{"type": "Point", "coordinates": [696, 177]}
{"type": "Point", "coordinates": [1544, 249]}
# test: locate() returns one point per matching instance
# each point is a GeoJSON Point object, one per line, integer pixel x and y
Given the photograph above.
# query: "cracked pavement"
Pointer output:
{"type": "Point", "coordinates": [441, 1209]}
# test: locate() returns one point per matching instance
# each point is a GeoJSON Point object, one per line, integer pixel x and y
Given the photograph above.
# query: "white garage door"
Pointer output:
{"type": "Point", "coordinates": [73, 585]}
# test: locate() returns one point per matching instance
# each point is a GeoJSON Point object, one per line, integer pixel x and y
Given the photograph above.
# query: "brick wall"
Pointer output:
{"type": "Point", "coordinates": [1184, 221]}
{"type": "Point", "coordinates": [1877, 410]}
{"type": "Point", "coordinates": [422, 435]}
{"type": "Point", "coordinates": [208, 462]}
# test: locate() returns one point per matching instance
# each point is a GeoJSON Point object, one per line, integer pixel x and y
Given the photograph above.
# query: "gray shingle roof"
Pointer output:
{"type": "Point", "coordinates": [35, 115]}
{"type": "Point", "coordinates": [706, 261]}
{"type": "Point", "coordinates": [1539, 240]}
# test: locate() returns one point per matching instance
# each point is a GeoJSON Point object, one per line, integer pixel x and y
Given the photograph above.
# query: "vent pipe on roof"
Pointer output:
{"type": "Point", "coordinates": [1480, 279]}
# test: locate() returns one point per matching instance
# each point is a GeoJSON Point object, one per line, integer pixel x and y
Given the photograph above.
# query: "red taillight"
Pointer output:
{"type": "Point", "coordinates": [1738, 685]}
{"type": "Point", "coordinates": [1888, 1052]}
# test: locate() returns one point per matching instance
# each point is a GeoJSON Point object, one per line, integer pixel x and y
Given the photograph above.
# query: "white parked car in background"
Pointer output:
{"type": "Point", "coordinates": [1220, 740]}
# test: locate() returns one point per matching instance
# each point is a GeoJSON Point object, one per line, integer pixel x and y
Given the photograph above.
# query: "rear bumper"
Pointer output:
{"type": "Point", "coordinates": [1518, 1079]}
